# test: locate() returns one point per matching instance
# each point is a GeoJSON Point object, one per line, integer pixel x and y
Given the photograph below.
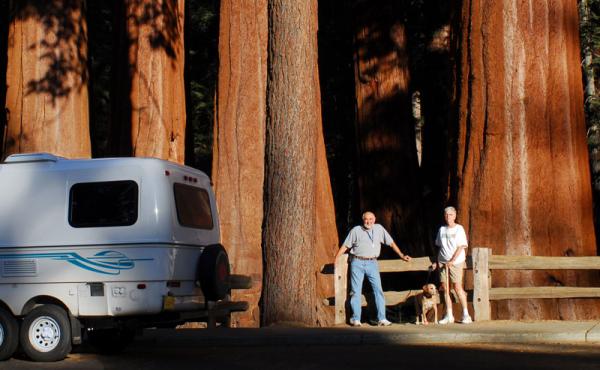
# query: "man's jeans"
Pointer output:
{"type": "Point", "coordinates": [358, 270]}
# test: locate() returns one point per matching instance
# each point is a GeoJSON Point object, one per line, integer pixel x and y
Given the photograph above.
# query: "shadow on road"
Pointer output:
{"type": "Point", "coordinates": [191, 349]}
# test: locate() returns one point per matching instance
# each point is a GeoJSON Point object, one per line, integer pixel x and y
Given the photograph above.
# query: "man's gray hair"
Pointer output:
{"type": "Point", "coordinates": [449, 209]}
{"type": "Point", "coordinates": [367, 213]}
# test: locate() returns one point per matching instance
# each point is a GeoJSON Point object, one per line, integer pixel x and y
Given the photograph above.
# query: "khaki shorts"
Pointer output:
{"type": "Point", "coordinates": [456, 272]}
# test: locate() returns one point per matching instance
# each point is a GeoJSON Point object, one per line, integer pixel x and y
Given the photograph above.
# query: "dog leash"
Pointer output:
{"type": "Point", "coordinates": [429, 271]}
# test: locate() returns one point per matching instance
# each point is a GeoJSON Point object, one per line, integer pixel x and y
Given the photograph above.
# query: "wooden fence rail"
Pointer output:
{"type": "Point", "coordinates": [482, 262]}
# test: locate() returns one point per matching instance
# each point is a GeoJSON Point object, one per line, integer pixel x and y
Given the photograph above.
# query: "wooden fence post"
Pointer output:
{"type": "Point", "coordinates": [481, 283]}
{"type": "Point", "coordinates": [341, 288]}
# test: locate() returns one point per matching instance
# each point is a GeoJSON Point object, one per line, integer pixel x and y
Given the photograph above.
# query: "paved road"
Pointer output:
{"type": "Point", "coordinates": [163, 350]}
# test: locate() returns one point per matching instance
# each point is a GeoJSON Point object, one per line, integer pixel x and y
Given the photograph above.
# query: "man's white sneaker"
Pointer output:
{"type": "Point", "coordinates": [355, 323]}
{"type": "Point", "coordinates": [384, 322]}
{"type": "Point", "coordinates": [446, 320]}
{"type": "Point", "coordinates": [466, 320]}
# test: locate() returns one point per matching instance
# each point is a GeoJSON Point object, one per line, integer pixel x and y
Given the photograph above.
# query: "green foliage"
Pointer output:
{"type": "Point", "coordinates": [202, 31]}
{"type": "Point", "coordinates": [590, 48]}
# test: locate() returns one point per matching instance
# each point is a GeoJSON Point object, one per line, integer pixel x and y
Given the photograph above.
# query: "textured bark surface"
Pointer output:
{"type": "Point", "coordinates": [388, 164]}
{"type": "Point", "coordinates": [523, 178]}
{"type": "Point", "coordinates": [293, 116]}
{"type": "Point", "coordinates": [156, 60]}
{"type": "Point", "coordinates": [239, 143]}
{"type": "Point", "coordinates": [47, 91]}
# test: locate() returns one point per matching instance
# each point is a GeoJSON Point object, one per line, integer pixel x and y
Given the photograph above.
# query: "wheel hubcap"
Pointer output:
{"type": "Point", "coordinates": [1, 335]}
{"type": "Point", "coordinates": [44, 334]}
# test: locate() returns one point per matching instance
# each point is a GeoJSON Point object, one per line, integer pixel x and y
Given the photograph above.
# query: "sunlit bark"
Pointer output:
{"type": "Point", "coordinates": [523, 181]}
{"type": "Point", "coordinates": [47, 76]}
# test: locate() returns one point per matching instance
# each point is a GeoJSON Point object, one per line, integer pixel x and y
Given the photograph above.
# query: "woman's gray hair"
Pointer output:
{"type": "Point", "coordinates": [449, 209]}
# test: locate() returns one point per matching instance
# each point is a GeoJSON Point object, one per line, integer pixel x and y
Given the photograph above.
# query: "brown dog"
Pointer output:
{"type": "Point", "coordinates": [425, 302]}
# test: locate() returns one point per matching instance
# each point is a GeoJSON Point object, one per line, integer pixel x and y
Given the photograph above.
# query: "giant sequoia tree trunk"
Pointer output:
{"type": "Point", "coordinates": [522, 173]}
{"type": "Point", "coordinates": [156, 57]}
{"type": "Point", "coordinates": [47, 92]}
{"type": "Point", "coordinates": [293, 124]}
{"type": "Point", "coordinates": [239, 142]}
{"type": "Point", "coordinates": [388, 165]}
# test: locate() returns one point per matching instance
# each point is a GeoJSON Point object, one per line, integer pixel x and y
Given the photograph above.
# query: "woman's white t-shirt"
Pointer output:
{"type": "Point", "coordinates": [448, 239]}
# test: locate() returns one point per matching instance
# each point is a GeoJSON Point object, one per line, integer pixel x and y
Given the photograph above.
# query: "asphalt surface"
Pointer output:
{"type": "Point", "coordinates": [489, 345]}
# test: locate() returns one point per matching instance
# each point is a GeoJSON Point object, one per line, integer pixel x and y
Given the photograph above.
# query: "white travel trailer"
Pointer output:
{"type": "Point", "coordinates": [104, 247]}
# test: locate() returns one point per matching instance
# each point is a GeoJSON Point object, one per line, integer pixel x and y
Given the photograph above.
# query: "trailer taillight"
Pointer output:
{"type": "Point", "coordinates": [174, 284]}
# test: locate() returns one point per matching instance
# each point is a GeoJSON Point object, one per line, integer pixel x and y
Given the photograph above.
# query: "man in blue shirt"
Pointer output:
{"type": "Point", "coordinates": [364, 243]}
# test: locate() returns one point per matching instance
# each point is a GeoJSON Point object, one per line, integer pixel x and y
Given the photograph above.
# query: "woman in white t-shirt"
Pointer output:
{"type": "Point", "coordinates": [452, 241]}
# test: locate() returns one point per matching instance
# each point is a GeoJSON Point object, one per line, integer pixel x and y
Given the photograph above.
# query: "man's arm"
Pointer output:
{"type": "Point", "coordinates": [341, 251]}
{"type": "Point", "coordinates": [403, 256]}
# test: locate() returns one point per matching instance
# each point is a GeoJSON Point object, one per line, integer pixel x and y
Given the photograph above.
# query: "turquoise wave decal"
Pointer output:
{"type": "Point", "coordinates": [107, 262]}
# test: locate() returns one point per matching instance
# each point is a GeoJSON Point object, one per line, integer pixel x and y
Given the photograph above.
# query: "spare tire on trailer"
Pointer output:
{"type": "Point", "coordinates": [213, 272]}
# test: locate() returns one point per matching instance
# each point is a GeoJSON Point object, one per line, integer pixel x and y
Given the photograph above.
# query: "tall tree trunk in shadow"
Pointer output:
{"type": "Point", "coordinates": [336, 70]}
{"type": "Point", "coordinates": [292, 156]}
{"type": "Point", "coordinates": [47, 76]}
{"type": "Point", "coordinates": [239, 143]}
{"type": "Point", "coordinates": [388, 166]}
{"type": "Point", "coordinates": [522, 175]}
{"type": "Point", "coordinates": [436, 72]}
{"type": "Point", "coordinates": [120, 89]}
{"type": "Point", "coordinates": [156, 56]}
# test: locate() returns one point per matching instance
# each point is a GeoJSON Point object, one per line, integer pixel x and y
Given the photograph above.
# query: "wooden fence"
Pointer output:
{"type": "Point", "coordinates": [482, 262]}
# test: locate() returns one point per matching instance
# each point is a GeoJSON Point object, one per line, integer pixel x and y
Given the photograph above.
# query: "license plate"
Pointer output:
{"type": "Point", "coordinates": [169, 303]}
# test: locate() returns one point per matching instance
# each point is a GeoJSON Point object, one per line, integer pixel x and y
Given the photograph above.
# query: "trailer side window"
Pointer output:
{"type": "Point", "coordinates": [102, 204]}
{"type": "Point", "coordinates": [193, 207]}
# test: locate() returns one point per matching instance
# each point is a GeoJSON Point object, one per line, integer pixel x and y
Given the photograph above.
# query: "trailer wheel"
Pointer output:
{"type": "Point", "coordinates": [9, 334]}
{"type": "Point", "coordinates": [46, 334]}
{"type": "Point", "coordinates": [213, 273]}
{"type": "Point", "coordinates": [111, 341]}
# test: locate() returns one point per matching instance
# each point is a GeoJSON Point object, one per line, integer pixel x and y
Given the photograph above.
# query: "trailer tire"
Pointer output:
{"type": "Point", "coordinates": [111, 341]}
{"type": "Point", "coordinates": [9, 334]}
{"type": "Point", "coordinates": [46, 333]}
{"type": "Point", "coordinates": [213, 273]}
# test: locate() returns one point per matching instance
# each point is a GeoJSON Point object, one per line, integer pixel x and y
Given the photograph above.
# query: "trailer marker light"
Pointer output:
{"type": "Point", "coordinates": [141, 286]}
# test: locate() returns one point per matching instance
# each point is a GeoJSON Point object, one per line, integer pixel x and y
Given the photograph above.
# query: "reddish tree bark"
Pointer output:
{"type": "Point", "coordinates": [239, 143]}
{"type": "Point", "coordinates": [387, 156]}
{"type": "Point", "coordinates": [156, 59]}
{"type": "Point", "coordinates": [292, 157]}
{"type": "Point", "coordinates": [47, 91]}
{"type": "Point", "coordinates": [326, 240]}
{"type": "Point", "coordinates": [523, 180]}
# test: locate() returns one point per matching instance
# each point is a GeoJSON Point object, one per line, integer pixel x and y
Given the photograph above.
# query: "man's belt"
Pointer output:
{"type": "Point", "coordinates": [365, 258]}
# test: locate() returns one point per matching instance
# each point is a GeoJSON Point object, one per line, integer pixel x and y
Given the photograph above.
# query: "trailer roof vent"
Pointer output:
{"type": "Point", "coordinates": [32, 157]}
